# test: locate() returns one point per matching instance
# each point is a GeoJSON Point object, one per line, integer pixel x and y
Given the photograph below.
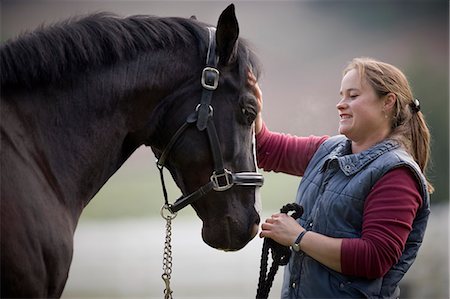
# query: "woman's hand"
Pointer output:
{"type": "Point", "coordinates": [258, 95]}
{"type": "Point", "coordinates": [281, 228]}
{"type": "Point", "coordinates": [284, 229]}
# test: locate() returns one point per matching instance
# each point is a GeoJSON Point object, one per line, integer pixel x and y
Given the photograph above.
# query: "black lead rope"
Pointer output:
{"type": "Point", "coordinates": [280, 255]}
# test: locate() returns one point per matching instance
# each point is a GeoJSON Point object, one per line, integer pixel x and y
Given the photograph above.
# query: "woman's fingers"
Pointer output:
{"type": "Point", "coordinates": [251, 78]}
{"type": "Point", "coordinates": [282, 228]}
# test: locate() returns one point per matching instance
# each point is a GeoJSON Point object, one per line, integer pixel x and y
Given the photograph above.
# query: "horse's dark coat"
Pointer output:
{"type": "Point", "coordinates": [78, 98]}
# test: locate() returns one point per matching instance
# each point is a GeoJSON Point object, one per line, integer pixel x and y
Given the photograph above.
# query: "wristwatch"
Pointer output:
{"type": "Point", "coordinates": [296, 245]}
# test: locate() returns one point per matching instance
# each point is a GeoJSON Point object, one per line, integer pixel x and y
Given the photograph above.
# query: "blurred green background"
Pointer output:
{"type": "Point", "coordinates": [303, 47]}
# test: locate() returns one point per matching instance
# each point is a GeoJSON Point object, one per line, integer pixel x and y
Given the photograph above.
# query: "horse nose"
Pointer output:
{"type": "Point", "coordinates": [229, 234]}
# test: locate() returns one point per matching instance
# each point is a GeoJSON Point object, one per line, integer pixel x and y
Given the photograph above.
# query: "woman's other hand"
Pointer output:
{"type": "Point", "coordinates": [281, 228]}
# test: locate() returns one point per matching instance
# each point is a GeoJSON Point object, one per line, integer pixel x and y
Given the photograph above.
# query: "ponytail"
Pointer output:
{"type": "Point", "coordinates": [420, 143]}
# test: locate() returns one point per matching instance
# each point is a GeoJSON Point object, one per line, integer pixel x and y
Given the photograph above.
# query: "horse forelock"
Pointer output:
{"type": "Point", "coordinates": [49, 53]}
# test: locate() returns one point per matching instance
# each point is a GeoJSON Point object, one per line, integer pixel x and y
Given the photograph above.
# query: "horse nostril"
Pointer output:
{"type": "Point", "coordinates": [258, 219]}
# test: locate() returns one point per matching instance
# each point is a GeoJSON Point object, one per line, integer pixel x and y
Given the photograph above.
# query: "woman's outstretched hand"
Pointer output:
{"type": "Point", "coordinates": [254, 87]}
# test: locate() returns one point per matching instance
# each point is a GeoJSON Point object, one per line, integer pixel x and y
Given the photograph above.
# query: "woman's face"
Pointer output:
{"type": "Point", "coordinates": [361, 115]}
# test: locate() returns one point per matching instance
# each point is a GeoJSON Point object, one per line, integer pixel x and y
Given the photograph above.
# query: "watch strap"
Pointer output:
{"type": "Point", "coordinates": [300, 237]}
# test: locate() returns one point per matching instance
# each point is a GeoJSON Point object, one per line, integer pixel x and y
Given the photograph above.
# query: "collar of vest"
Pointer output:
{"type": "Point", "coordinates": [352, 163]}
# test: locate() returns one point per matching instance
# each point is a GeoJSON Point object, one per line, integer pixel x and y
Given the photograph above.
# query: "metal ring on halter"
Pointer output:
{"type": "Point", "coordinates": [211, 109]}
{"type": "Point", "coordinates": [169, 215]}
{"type": "Point", "coordinates": [158, 165]}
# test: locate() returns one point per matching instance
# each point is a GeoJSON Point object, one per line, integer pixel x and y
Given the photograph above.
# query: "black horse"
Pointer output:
{"type": "Point", "coordinates": [79, 97]}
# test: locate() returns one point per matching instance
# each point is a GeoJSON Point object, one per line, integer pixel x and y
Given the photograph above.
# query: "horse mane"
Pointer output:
{"type": "Point", "coordinates": [79, 44]}
{"type": "Point", "coordinates": [51, 54]}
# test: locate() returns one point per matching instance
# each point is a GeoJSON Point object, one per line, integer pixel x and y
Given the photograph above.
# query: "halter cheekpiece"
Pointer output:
{"type": "Point", "coordinates": [221, 179]}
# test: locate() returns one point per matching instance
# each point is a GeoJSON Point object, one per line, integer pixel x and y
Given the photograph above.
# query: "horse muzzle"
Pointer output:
{"type": "Point", "coordinates": [232, 220]}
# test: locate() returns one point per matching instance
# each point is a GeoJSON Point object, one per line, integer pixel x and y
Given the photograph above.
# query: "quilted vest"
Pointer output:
{"type": "Point", "coordinates": [332, 192]}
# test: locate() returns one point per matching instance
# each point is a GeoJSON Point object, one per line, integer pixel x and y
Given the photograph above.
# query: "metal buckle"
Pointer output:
{"type": "Point", "coordinates": [211, 73]}
{"type": "Point", "coordinates": [225, 177]}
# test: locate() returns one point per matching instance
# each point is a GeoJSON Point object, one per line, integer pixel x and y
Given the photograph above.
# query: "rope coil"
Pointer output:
{"type": "Point", "coordinates": [280, 256]}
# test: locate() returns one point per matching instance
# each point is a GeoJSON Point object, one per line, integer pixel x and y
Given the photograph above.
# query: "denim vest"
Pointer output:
{"type": "Point", "coordinates": [332, 192]}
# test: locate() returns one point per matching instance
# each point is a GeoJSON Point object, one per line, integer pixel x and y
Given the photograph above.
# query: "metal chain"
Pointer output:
{"type": "Point", "coordinates": [167, 256]}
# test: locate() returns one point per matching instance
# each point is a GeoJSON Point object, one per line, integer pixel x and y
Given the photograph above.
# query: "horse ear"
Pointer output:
{"type": "Point", "coordinates": [193, 18]}
{"type": "Point", "coordinates": [226, 35]}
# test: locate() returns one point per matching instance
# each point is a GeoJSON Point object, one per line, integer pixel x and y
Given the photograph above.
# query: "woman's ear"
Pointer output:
{"type": "Point", "coordinates": [389, 101]}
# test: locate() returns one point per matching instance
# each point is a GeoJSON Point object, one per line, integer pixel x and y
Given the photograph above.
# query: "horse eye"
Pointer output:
{"type": "Point", "coordinates": [248, 107]}
{"type": "Point", "coordinates": [248, 115]}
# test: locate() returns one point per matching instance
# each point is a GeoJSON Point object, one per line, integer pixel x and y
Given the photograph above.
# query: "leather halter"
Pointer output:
{"type": "Point", "coordinates": [221, 179]}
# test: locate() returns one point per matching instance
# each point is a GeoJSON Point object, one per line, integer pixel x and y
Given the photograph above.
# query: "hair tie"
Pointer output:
{"type": "Point", "coordinates": [415, 105]}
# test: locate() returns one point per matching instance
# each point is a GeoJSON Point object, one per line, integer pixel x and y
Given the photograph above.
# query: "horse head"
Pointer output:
{"type": "Point", "coordinates": [207, 141]}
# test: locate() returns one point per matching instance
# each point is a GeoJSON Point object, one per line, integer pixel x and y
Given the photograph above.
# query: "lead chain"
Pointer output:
{"type": "Point", "coordinates": [167, 259]}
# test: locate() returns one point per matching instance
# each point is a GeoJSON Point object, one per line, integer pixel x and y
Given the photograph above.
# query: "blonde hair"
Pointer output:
{"type": "Point", "coordinates": [408, 124]}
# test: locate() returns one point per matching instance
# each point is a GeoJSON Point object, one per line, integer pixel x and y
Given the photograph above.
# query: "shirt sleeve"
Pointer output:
{"type": "Point", "coordinates": [285, 153]}
{"type": "Point", "coordinates": [389, 212]}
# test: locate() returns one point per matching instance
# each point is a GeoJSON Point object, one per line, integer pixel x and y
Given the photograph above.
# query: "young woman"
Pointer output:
{"type": "Point", "coordinates": [365, 195]}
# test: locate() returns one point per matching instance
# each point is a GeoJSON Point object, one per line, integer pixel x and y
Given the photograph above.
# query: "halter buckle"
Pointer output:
{"type": "Point", "coordinates": [210, 78]}
{"type": "Point", "coordinates": [222, 181]}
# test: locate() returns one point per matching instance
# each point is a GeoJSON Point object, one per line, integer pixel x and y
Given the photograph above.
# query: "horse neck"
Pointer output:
{"type": "Point", "coordinates": [87, 130]}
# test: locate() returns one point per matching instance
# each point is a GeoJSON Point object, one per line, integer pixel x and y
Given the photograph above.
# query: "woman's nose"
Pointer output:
{"type": "Point", "coordinates": [341, 104]}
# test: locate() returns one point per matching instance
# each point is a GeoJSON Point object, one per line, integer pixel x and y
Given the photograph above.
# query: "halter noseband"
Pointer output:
{"type": "Point", "coordinates": [221, 179]}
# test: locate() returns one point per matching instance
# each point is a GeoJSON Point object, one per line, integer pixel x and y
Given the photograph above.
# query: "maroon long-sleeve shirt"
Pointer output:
{"type": "Point", "coordinates": [389, 209]}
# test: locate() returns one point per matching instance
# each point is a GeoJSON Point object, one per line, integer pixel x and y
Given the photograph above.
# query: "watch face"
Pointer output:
{"type": "Point", "coordinates": [296, 247]}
